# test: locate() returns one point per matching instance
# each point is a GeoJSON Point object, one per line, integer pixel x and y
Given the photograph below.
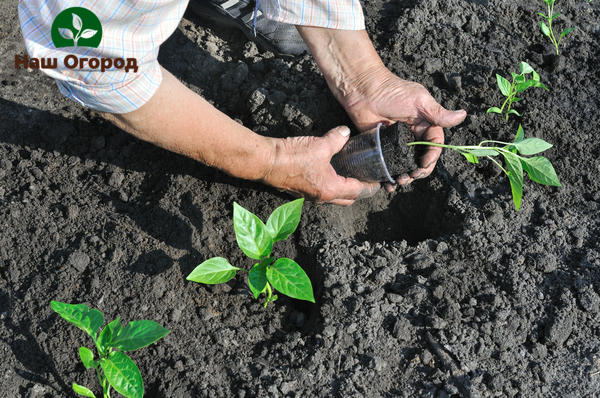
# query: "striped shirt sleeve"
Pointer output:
{"type": "Point", "coordinates": [333, 14]}
{"type": "Point", "coordinates": [130, 29]}
{"type": "Point", "coordinates": [135, 29]}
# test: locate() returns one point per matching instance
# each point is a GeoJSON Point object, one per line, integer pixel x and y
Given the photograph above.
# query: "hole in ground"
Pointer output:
{"type": "Point", "coordinates": [416, 215]}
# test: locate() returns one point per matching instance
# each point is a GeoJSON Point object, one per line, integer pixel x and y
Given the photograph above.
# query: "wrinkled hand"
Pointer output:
{"type": "Point", "coordinates": [381, 96]}
{"type": "Point", "coordinates": [302, 166]}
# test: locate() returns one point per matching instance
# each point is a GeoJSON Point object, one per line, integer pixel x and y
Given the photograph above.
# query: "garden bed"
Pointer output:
{"type": "Point", "coordinates": [440, 289]}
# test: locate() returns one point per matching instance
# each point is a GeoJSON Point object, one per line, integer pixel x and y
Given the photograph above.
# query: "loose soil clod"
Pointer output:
{"type": "Point", "coordinates": [399, 158]}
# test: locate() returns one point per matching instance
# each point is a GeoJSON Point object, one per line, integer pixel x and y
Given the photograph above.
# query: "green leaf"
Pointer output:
{"type": "Point", "coordinates": [213, 271]}
{"type": "Point", "coordinates": [520, 134]}
{"type": "Point", "coordinates": [96, 320]}
{"type": "Point", "coordinates": [482, 152]}
{"type": "Point", "coordinates": [290, 279]}
{"type": "Point", "coordinates": [138, 334]}
{"type": "Point", "coordinates": [80, 315]}
{"type": "Point", "coordinates": [284, 220]}
{"type": "Point", "coordinates": [554, 16]}
{"type": "Point", "coordinates": [470, 157]}
{"type": "Point", "coordinates": [529, 83]}
{"type": "Point", "coordinates": [541, 14]}
{"type": "Point", "coordinates": [524, 67]}
{"type": "Point", "coordinates": [540, 170]}
{"type": "Point", "coordinates": [494, 109]}
{"type": "Point", "coordinates": [106, 335]}
{"type": "Point", "coordinates": [535, 76]}
{"type": "Point", "coordinates": [516, 99]}
{"type": "Point", "coordinates": [545, 28]}
{"type": "Point", "coordinates": [515, 176]}
{"type": "Point", "coordinates": [503, 85]}
{"type": "Point", "coordinates": [251, 234]}
{"type": "Point", "coordinates": [257, 279]}
{"type": "Point", "coordinates": [87, 357]}
{"type": "Point", "coordinates": [81, 390]}
{"type": "Point", "coordinates": [532, 146]}
{"type": "Point", "coordinates": [566, 32]}
{"type": "Point", "coordinates": [513, 112]}
{"type": "Point", "coordinates": [123, 375]}
{"type": "Point", "coordinates": [524, 85]}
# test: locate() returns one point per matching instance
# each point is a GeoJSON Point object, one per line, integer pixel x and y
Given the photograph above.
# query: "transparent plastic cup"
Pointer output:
{"type": "Point", "coordinates": [362, 158]}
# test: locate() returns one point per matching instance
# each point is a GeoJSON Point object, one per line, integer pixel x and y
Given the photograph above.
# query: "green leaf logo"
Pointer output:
{"type": "Point", "coordinates": [76, 27]}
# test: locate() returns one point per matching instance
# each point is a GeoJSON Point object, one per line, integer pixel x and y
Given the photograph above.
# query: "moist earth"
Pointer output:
{"type": "Point", "coordinates": [399, 158]}
{"type": "Point", "coordinates": [439, 289]}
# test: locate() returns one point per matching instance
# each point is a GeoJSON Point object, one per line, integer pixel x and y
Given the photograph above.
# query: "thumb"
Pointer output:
{"type": "Point", "coordinates": [336, 138]}
{"type": "Point", "coordinates": [437, 115]}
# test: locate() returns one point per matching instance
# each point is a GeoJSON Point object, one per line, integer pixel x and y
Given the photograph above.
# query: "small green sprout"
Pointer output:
{"type": "Point", "coordinates": [519, 84]}
{"type": "Point", "coordinates": [547, 28]}
{"type": "Point", "coordinates": [113, 368]}
{"type": "Point", "coordinates": [538, 168]}
{"type": "Point", "coordinates": [256, 240]}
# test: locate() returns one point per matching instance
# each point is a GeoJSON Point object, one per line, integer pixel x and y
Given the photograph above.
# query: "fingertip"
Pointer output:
{"type": "Point", "coordinates": [390, 187]}
{"type": "Point", "coordinates": [456, 118]}
{"type": "Point", "coordinates": [344, 131]}
{"type": "Point", "coordinates": [404, 179]}
{"type": "Point", "coordinates": [420, 173]}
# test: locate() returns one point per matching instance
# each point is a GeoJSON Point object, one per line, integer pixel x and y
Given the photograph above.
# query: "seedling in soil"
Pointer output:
{"type": "Point", "coordinates": [519, 84]}
{"type": "Point", "coordinates": [256, 240]}
{"type": "Point", "coordinates": [113, 368]}
{"type": "Point", "coordinates": [538, 168]}
{"type": "Point", "coordinates": [547, 28]}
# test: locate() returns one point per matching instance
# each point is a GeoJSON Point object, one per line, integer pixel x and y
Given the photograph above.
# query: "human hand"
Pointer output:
{"type": "Point", "coordinates": [381, 96]}
{"type": "Point", "coordinates": [302, 166]}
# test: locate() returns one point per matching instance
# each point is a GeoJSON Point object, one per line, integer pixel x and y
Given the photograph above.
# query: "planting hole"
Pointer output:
{"type": "Point", "coordinates": [419, 214]}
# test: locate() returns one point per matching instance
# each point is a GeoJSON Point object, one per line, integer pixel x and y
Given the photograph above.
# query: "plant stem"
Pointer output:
{"type": "Point", "coordinates": [495, 142]}
{"type": "Point", "coordinates": [497, 164]}
{"type": "Point", "coordinates": [269, 294]}
{"type": "Point", "coordinates": [100, 380]}
{"type": "Point", "coordinates": [552, 37]}
{"type": "Point", "coordinates": [459, 148]}
{"type": "Point", "coordinates": [434, 144]}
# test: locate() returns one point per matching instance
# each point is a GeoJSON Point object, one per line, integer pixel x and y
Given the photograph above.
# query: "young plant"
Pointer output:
{"type": "Point", "coordinates": [113, 368]}
{"type": "Point", "coordinates": [547, 28]}
{"type": "Point", "coordinates": [256, 240]}
{"type": "Point", "coordinates": [519, 84]}
{"type": "Point", "coordinates": [538, 168]}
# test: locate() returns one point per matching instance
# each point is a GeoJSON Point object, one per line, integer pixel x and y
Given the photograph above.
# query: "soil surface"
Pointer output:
{"type": "Point", "coordinates": [399, 158]}
{"type": "Point", "coordinates": [439, 289]}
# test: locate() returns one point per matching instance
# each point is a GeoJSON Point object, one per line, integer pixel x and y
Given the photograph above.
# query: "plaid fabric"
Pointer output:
{"type": "Point", "coordinates": [334, 14]}
{"type": "Point", "coordinates": [136, 29]}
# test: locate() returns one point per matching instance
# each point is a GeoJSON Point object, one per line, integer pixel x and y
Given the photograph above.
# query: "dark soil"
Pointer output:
{"type": "Point", "coordinates": [439, 289]}
{"type": "Point", "coordinates": [399, 158]}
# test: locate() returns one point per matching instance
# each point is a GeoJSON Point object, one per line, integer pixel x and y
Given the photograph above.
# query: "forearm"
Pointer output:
{"type": "Point", "coordinates": [181, 121]}
{"type": "Point", "coordinates": [346, 58]}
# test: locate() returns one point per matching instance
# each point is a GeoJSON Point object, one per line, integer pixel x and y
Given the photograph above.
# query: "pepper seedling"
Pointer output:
{"type": "Point", "coordinates": [256, 240]}
{"type": "Point", "coordinates": [519, 84]}
{"type": "Point", "coordinates": [547, 28]}
{"type": "Point", "coordinates": [113, 368]}
{"type": "Point", "coordinates": [538, 168]}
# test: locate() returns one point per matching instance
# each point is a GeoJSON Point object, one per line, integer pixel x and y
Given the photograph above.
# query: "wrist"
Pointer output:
{"type": "Point", "coordinates": [259, 161]}
{"type": "Point", "coordinates": [276, 171]}
{"type": "Point", "coordinates": [347, 59]}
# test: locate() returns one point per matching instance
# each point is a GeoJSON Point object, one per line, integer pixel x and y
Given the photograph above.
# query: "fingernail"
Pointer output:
{"type": "Point", "coordinates": [403, 180]}
{"type": "Point", "coordinates": [344, 131]}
